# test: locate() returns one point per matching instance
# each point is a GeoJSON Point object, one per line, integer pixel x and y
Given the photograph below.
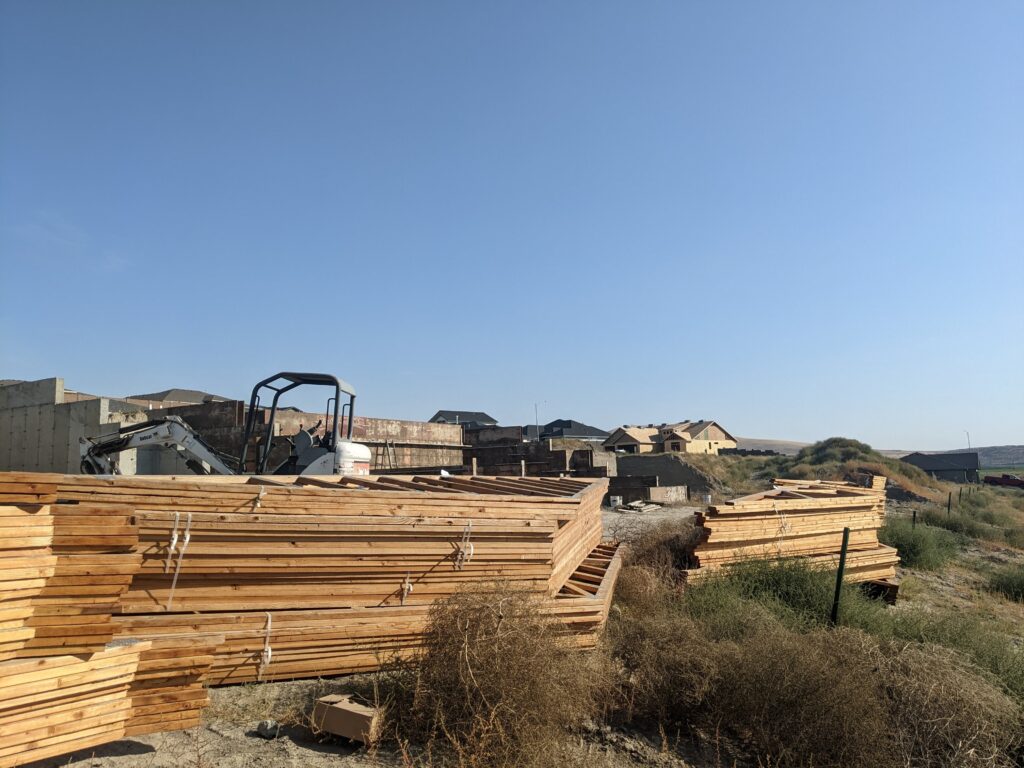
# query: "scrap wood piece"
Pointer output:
{"type": "Point", "coordinates": [341, 715]}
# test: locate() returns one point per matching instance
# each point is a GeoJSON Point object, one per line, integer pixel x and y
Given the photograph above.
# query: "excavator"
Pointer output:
{"type": "Point", "coordinates": [310, 454]}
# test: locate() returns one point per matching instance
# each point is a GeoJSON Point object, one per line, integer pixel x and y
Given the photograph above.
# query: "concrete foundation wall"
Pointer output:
{"type": "Point", "coordinates": [44, 437]}
{"type": "Point", "coordinates": [669, 469]}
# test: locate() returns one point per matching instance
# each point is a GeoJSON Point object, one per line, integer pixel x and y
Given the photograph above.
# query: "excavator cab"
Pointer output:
{"type": "Point", "coordinates": [329, 454]}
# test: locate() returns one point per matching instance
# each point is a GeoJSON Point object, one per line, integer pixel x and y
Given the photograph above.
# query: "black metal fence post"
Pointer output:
{"type": "Point", "coordinates": [949, 503]}
{"type": "Point", "coordinates": [913, 520]}
{"type": "Point", "coordinates": [839, 577]}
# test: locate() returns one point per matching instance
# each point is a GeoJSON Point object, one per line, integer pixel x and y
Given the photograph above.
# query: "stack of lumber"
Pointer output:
{"type": "Point", "coordinates": [264, 544]}
{"type": "Point", "coordinates": [584, 600]}
{"type": "Point", "coordinates": [64, 570]}
{"type": "Point", "coordinates": [256, 646]}
{"type": "Point", "coordinates": [354, 562]}
{"type": "Point", "coordinates": [58, 704]}
{"type": "Point", "coordinates": [799, 518]}
{"type": "Point", "coordinates": [212, 580]}
{"type": "Point", "coordinates": [168, 691]}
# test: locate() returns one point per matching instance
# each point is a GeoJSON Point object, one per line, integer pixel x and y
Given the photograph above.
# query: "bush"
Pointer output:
{"type": "Point", "coordinates": [946, 712]}
{"type": "Point", "coordinates": [495, 684]}
{"type": "Point", "coordinates": [921, 546]}
{"type": "Point", "coordinates": [1008, 581]}
{"type": "Point", "coordinates": [663, 547]}
{"type": "Point", "coordinates": [668, 667]}
{"type": "Point", "coordinates": [805, 699]}
{"type": "Point", "coordinates": [963, 525]}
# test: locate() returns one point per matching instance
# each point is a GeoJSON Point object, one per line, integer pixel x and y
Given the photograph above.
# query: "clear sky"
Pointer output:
{"type": "Point", "coordinates": [799, 219]}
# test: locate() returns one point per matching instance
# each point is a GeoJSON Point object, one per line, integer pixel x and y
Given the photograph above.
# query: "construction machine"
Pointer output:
{"type": "Point", "coordinates": [311, 454]}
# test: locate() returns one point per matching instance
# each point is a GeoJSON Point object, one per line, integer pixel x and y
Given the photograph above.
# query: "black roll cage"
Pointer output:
{"type": "Point", "coordinates": [289, 381]}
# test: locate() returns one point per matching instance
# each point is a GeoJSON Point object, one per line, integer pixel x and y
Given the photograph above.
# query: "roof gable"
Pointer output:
{"type": "Point", "coordinates": [463, 417]}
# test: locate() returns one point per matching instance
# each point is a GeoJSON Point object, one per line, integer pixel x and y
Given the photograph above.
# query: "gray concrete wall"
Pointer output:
{"type": "Point", "coordinates": [39, 432]}
{"type": "Point", "coordinates": [42, 392]}
{"type": "Point", "coordinates": [670, 469]}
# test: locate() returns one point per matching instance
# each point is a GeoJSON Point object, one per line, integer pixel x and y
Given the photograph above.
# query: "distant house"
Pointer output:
{"type": "Point", "coordinates": [694, 437]}
{"type": "Point", "coordinates": [564, 428]}
{"type": "Point", "coordinates": [627, 439]}
{"type": "Point", "coordinates": [954, 467]}
{"type": "Point", "coordinates": [682, 437]}
{"type": "Point", "coordinates": [469, 419]}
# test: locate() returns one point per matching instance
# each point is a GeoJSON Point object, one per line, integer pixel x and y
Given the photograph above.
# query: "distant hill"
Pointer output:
{"type": "Point", "coordinates": [785, 447]}
{"type": "Point", "coordinates": [988, 456]}
{"type": "Point", "coordinates": [999, 456]}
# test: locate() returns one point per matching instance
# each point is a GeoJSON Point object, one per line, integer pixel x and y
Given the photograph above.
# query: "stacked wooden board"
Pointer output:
{"type": "Point", "coordinates": [58, 704]}
{"type": "Point", "coordinates": [226, 580]}
{"type": "Point", "coordinates": [63, 571]}
{"type": "Point", "coordinates": [799, 518]}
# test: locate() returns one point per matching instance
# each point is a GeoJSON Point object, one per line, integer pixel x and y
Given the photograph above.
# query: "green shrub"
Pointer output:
{"type": "Point", "coordinates": [1015, 537]}
{"type": "Point", "coordinates": [963, 525]}
{"type": "Point", "coordinates": [1008, 581]}
{"type": "Point", "coordinates": [921, 546]}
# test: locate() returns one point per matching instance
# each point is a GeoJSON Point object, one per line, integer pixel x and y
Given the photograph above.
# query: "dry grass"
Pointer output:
{"type": "Point", "coordinates": [946, 712]}
{"type": "Point", "coordinates": [496, 684]}
{"type": "Point", "coordinates": [748, 656]}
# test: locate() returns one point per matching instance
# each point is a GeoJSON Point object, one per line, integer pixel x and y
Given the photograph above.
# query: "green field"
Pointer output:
{"type": "Point", "coordinates": [1019, 471]}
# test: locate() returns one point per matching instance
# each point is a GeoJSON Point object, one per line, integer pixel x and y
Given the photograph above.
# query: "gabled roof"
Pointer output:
{"type": "Point", "coordinates": [688, 430]}
{"type": "Point", "coordinates": [463, 417]}
{"type": "Point", "coordinates": [643, 435]}
{"type": "Point", "coordinates": [572, 428]}
{"type": "Point", "coordinates": [942, 462]}
{"type": "Point", "coordinates": [179, 396]}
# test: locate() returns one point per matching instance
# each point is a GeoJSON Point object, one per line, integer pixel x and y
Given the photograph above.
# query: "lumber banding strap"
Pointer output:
{"type": "Point", "coordinates": [181, 554]}
{"type": "Point", "coordinates": [257, 501]}
{"type": "Point", "coordinates": [784, 529]}
{"type": "Point", "coordinates": [406, 588]}
{"type": "Point", "coordinates": [464, 549]}
{"type": "Point", "coordinates": [173, 544]}
{"type": "Point", "coordinates": [268, 653]}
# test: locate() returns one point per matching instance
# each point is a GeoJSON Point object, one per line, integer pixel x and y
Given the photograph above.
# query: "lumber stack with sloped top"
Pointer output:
{"type": "Point", "coordinates": [799, 518]}
{"type": "Point", "coordinates": [232, 554]}
{"type": "Point", "coordinates": [236, 579]}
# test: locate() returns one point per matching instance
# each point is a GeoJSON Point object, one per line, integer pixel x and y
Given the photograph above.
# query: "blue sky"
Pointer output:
{"type": "Point", "coordinates": [800, 219]}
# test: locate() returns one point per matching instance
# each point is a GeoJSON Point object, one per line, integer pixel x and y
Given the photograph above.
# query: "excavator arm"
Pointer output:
{"type": "Point", "coordinates": [99, 455]}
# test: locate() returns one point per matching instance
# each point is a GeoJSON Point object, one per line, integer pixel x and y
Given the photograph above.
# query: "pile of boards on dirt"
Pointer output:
{"type": "Point", "coordinates": [799, 518]}
{"type": "Point", "coordinates": [236, 579]}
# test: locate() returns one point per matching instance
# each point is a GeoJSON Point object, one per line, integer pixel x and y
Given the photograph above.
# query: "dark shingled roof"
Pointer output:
{"type": "Point", "coordinates": [463, 417]}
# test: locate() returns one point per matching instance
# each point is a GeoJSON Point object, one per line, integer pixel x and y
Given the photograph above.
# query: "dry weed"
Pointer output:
{"type": "Point", "coordinates": [496, 684]}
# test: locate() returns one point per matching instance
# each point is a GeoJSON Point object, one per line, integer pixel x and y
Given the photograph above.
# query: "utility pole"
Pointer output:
{"type": "Point", "coordinates": [968, 439]}
{"type": "Point", "coordinates": [536, 421]}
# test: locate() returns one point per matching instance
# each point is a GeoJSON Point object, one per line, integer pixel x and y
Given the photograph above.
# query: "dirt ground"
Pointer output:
{"type": "Point", "coordinates": [229, 739]}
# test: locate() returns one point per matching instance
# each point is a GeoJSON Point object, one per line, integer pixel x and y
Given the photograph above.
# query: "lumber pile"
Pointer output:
{"type": "Point", "coordinates": [799, 518]}
{"type": "Point", "coordinates": [58, 704]}
{"type": "Point", "coordinates": [217, 580]}
{"type": "Point", "coordinates": [63, 571]}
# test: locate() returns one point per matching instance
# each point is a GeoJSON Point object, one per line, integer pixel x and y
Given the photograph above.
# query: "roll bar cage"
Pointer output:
{"type": "Point", "coordinates": [285, 382]}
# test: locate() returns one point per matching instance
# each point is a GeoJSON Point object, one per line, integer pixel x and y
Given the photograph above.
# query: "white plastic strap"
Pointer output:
{"type": "Point", "coordinates": [181, 556]}
{"type": "Point", "coordinates": [174, 543]}
{"type": "Point", "coordinates": [783, 529]}
{"type": "Point", "coordinates": [406, 588]}
{"type": "Point", "coordinates": [258, 501]}
{"type": "Point", "coordinates": [464, 550]}
{"type": "Point", "coordinates": [268, 653]}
